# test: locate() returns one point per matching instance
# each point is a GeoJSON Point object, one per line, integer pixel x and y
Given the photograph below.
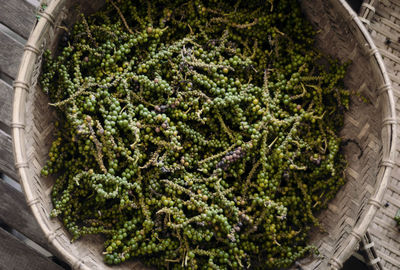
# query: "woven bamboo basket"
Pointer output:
{"type": "Point", "coordinates": [372, 124]}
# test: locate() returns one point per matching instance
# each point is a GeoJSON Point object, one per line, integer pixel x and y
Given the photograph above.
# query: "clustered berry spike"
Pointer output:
{"type": "Point", "coordinates": [196, 134]}
{"type": "Point", "coordinates": [230, 157]}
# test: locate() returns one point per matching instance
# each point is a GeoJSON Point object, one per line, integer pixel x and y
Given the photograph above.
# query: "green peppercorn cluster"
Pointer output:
{"type": "Point", "coordinates": [397, 218]}
{"type": "Point", "coordinates": [195, 134]}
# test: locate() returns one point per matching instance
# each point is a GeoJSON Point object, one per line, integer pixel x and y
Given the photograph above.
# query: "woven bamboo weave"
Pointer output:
{"type": "Point", "coordinates": [372, 124]}
{"type": "Point", "coordinates": [384, 27]}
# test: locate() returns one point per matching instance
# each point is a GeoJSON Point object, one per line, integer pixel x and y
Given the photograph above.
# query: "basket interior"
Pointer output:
{"type": "Point", "coordinates": [338, 37]}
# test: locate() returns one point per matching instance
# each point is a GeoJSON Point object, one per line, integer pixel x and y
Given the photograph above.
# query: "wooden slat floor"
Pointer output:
{"type": "Point", "coordinates": [22, 244]}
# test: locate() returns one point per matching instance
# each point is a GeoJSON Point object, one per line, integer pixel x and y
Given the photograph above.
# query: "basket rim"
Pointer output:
{"type": "Point", "coordinates": [22, 86]}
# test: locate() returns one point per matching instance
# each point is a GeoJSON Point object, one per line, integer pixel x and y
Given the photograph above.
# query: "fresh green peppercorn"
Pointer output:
{"type": "Point", "coordinates": [199, 135]}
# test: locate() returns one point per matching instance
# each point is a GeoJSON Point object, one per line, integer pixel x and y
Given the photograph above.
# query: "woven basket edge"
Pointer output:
{"type": "Point", "coordinates": [389, 138]}
{"type": "Point", "coordinates": [21, 87]}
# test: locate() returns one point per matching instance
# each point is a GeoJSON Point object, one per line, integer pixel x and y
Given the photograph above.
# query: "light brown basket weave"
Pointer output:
{"type": "Point", "coordinates": [371, 124]}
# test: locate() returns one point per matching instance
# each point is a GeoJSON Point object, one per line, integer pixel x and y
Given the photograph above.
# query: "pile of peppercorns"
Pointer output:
{"type": "Point", "coordinates": [195, 134]}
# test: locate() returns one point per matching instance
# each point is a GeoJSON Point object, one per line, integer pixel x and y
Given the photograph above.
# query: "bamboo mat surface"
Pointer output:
{"type": "Point", "coordinates": [385, 31]}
